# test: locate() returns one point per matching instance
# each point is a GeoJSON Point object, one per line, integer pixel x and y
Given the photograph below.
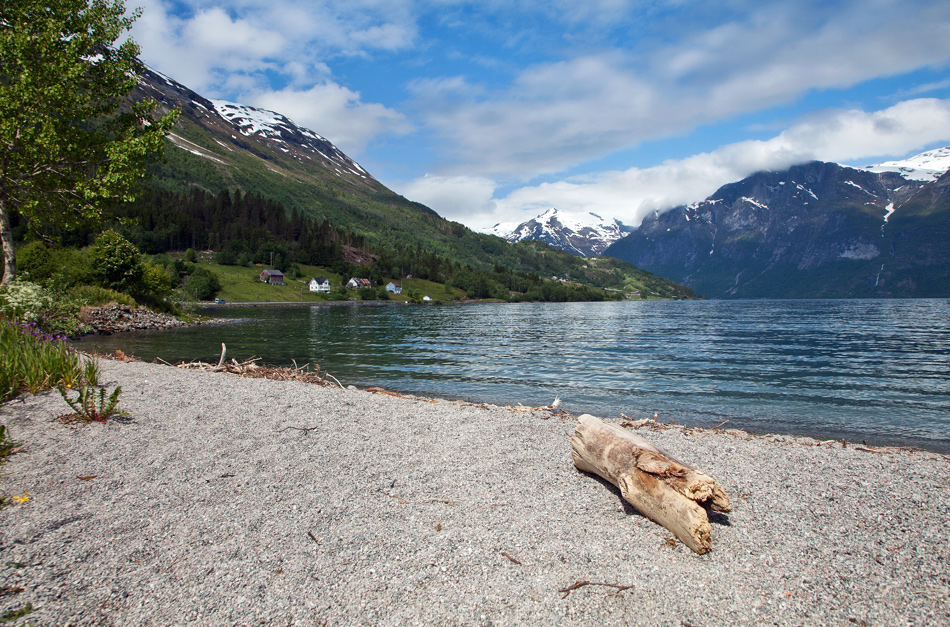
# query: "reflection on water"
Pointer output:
{"type": "Point", "coordinates": [864, 370]}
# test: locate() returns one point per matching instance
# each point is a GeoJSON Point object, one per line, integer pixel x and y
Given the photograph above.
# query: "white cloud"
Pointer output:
{"type": "Point", "coordinates": [203, 44]}
{"type": "Point", "coordinates": [466, 199]}
{"type": "Point", "coordinates": [845, 136]}
{"type": "Point", "coordinates": [556, 115]}
{"type": "Point", "coordinates": [335, 112]}
{"type": "Point", "coordinates": [234, 41]}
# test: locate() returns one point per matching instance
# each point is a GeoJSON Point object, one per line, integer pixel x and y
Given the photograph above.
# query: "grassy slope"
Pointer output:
{"type": "Point", "coordinates": [243, 285]}
{"type": "Point", "coordinates": [382, 216]}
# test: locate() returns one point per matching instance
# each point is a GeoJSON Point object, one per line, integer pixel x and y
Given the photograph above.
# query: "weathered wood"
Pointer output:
{"type": "Point", "coordinates": [661, 488]}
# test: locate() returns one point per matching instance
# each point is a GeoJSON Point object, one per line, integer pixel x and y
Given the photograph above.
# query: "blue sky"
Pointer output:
{"type": "Point", "coordinates": [495, 110]}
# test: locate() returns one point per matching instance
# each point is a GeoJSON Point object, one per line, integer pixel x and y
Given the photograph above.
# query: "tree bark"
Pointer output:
{"type": "Point", "coordinates": [661, 488]}
{"type": "Point", "coordinates": [6, 236]}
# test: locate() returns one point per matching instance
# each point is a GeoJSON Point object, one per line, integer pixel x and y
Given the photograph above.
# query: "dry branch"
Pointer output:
{"type": "Point", "coordinates": [580, 584]}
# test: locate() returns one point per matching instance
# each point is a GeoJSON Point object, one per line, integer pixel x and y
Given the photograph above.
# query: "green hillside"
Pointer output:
{"type": "Point", "coordinates": [315, 183]}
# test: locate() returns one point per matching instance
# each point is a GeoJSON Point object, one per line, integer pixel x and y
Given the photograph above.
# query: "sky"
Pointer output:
{"type": "Point", "coordinates": [493, 111]}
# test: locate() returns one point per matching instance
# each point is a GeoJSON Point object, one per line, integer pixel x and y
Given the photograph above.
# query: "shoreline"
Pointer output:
{"type": "Point", "coordinates": [223, 500]}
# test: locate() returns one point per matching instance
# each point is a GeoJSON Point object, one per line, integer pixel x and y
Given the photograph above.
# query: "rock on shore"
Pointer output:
{"type": "Point", "coordinates": [117, 318]}
{"type": "Point", "coordinates": [230, 501]}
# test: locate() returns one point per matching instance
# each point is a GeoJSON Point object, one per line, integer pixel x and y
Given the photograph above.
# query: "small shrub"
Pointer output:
{"type": "Point", "coordinates": [29, 304]}
{"type": "Point", "coordinates": [94, 296]}
{"type": "Point", "coordinates": [35, 260]}
{"type": "Point", "coordinates": [116, 262]}
{"type": "Point", "coordinates": [87, 409]}
{"type": "Point", "coordinates": [33, 361]}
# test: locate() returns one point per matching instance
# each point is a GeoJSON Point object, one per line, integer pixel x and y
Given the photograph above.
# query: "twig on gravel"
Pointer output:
{"type": "Point", "coordinates": [511, 558]}
{"type": "Point", "coordinates": [580, 584]}
{"type": "Point", "coordinates": [304, 429]}
{"type": "Point", "coordinates": [720, 424]}
{"type": "Point", "coordinates": [405, 502]}
{"type": "Point", "coordinates": [313, 537]}
{"type": "Point", "coordinates": [867, 450]}
{"type": "Point", "coordinates": [334, 378]}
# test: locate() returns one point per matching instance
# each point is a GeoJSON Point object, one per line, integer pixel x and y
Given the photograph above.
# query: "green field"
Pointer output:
{"type": "Point", "coordinates": [243, 285]}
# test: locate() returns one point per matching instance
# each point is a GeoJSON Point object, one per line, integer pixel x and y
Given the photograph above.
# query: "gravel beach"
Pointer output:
{"type": "Point", "coordinates": [229, 501]}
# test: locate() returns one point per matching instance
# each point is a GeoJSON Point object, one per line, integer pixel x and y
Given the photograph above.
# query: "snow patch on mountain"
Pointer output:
{"type": "Point", "coordinates": [927, 166]}
{"type": "Point", "coordinates": [251, 121]}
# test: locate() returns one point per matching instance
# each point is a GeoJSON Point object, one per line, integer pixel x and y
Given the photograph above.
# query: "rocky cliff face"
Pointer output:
{"type": "Point", "coordinates": [815, 230]}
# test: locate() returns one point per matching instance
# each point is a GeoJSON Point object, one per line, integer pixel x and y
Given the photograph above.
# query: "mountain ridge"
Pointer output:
{"type": "Point", "coordinates": [814, 230]}
{"type": "Point", "coordinates": [586, 234]}
{"type": "Point", "coordinates": [219, 146]}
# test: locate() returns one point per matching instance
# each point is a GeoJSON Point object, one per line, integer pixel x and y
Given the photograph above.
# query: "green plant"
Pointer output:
{"type": "Point", "coordinates": [30, 304]}
{"type": "Point", "coordinates": [90, 371]}
{"type": "Point", "coordinates": [87, 409]}
{"type": "Point", "coordinates": [93, 296]}
{"type": "Point", "coordinates": [7, 446]}
{"type": "Point", "coordinates": [33, 361]}
{"type": "Point", "coordinates": [116, 261]}
{"type": "Point", "coordinates": [11, 615]}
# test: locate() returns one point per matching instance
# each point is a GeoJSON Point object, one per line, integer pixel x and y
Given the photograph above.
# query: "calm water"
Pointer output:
{"type": "Point", "coordinates": [863, 370]}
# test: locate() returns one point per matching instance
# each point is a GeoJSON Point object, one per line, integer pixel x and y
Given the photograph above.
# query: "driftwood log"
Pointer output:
{"type": "Point", "coordinates": [661, 488]}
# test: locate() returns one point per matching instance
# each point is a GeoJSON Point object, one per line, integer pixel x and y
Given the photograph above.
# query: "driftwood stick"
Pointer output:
{"type": "Point", "coordinates": [660, 487]}
{"type": "Point", "coordinates": [224, 349]}
{"type": "Point", "coordinates": [580, 584]}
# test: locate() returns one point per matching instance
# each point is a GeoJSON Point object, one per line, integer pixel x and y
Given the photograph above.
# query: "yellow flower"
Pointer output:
{"type": "Point", "coordinates": [22, 499]}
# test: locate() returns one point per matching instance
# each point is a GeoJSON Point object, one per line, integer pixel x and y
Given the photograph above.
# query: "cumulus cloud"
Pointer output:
{"type": "Point", "coordinates": [199, 42]}
{"type": "Point", "coordinates": [236, 54]}
{"type": "Point", "coordinates": [466, 199]}
{"type": "Point", "coordinates": [850, 136]}
{"type": "Point", "coordinates": [556, 115]}
{"type": "Point", "coordinates": [337, 113]}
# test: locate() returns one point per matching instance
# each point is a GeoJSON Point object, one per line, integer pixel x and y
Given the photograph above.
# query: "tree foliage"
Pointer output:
{"type": "Point", "coordinates": [70, 137]}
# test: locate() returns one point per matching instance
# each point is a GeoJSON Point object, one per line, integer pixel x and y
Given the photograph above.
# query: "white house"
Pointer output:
{"type": "Point", "coordinates": [395, 288]}
{"type": "Point", "coordinates": [320, 284]}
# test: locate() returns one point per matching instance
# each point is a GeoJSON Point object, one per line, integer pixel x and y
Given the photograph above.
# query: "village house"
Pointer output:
{"type": "Point", "coordinates": [273, 277]}
{"type": "Point", "coordinates": [395, 288]}
{"type": "Point", "coordinates": [356, 283]}
{"type": "Point", "coordinates": [320, 285]}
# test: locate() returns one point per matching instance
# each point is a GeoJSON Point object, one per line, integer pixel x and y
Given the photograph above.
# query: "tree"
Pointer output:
{"type": "Point", "coordinates": [71, 139]}
{"type": "Point", "coordinates": [116, 262]}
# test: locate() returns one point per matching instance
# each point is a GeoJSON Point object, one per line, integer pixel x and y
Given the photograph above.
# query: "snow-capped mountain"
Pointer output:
{"type": "Point", "coordinates": [233, 137]}
{"type": "Point", "coordinates": [927, 166]}
{"type": "Point", "coordinates": [815, 230]}
{"type": "Point", "coordinates": [586, 234]}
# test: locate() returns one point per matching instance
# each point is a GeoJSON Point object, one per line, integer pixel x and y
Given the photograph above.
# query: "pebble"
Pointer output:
{"type": "Point", "coordinates": [204, 508]}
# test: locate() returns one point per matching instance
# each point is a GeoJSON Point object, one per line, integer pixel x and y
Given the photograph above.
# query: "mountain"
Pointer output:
{"type": "Point", "coordinates": [814, 230]}
{"type": "Point", "coordinates": [223, 145]}
{"type": "Point", "coordinates": [219, 146]}
{"type": "Point", "coordinates": [585, 234]}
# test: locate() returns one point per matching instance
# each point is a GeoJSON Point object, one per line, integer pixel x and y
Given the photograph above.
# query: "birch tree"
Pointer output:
{"type": "Point", "coordinates": [71, 139]}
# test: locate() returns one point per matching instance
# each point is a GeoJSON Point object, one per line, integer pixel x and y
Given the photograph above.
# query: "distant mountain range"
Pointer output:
{"type": "Point", "coordinates": [814, 230]}
{"type": "Point", "coordinates": [586, 234]}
